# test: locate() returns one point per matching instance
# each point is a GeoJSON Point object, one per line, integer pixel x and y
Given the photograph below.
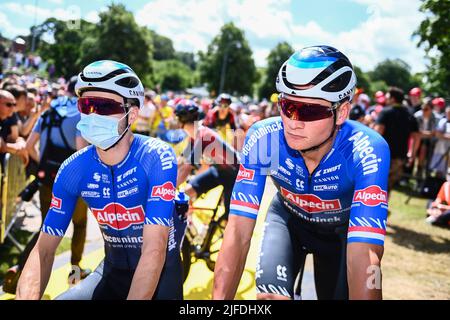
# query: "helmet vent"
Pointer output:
{"type": "Point", "coordinates": [128, 82]}
{"type": "Point", "coordinates": [339, 83]}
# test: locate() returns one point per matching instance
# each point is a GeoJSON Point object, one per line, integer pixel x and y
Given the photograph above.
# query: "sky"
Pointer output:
{"type": "Point", "coordinates": [367, 31]}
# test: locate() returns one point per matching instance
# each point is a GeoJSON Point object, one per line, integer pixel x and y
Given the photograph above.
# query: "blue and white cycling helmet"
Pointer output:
{"type": "Point", "coordinates": [318, 72]}
{"type": "Point", "coordinates": [114, 77]}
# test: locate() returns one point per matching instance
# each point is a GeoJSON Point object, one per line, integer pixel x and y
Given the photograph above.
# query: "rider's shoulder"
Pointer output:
{"type": "Point", "coordinates": [362, 141]}
{"type": "Point", "coordinates": [76, 163]}
{"type": "Point", "coordinates": [151, 149]}
{"type": "Point", "coordinates": [354, 131]}
{"type": "Point", "coordinates": [266, 126]}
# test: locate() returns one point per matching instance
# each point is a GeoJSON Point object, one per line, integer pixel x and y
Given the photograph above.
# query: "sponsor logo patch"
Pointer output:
{"type": "Point", "coordinates": [371, 196]}
{"type": "Point", "coordinates": [56, 202]}
{"type": "Point", "coordinates": [310, 202]}
{"type": "Point", "coordinates": [245, 174]}
{"type": "Point", "coordinates": [166, 191]}
{"type": "Point", "coordinates": [118, 217]}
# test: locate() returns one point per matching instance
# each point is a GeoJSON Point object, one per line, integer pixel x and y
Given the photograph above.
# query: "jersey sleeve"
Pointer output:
{"type": "Point", "coordinates": [64, 196]}
{"type": "Point", "coordinates": [368, 214]}
{"type": "Point", "coordinates": [251, 179]}
{"type": "Point", "coordinates": [161, 168]}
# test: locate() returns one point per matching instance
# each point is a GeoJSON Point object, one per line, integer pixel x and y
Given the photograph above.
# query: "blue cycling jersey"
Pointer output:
{"type": "Point", "coordinates": [348, 187]}
{"type": "Point", "coordinates": [140, 190]}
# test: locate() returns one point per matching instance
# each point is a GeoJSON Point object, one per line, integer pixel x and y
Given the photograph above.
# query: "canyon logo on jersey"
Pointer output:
{"type": "Point", "coordinates": [119, 217]}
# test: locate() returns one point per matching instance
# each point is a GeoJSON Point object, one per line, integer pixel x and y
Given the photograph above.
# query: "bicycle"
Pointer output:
{"type": "Point", "coordinates": [204, 233]}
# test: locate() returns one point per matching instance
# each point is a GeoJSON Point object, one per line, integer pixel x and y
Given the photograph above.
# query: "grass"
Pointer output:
{"type": "Point", "coordinates": [9, 254]}
{"type": "Point", "coordinates": [417, 255]}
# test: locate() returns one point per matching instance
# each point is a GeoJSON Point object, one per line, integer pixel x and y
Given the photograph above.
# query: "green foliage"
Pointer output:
{"type": "Point", "coordinates": [363, 80]}
{"type": "Point", "coordinates": [188, 58]}
{"type": "Point", "coordinates": [118, 37]}
{"type": "Point", "coordinates": [65, 51]}
{"type": "Point", "coordinates": [276, 58]}
{"type": "Point", "coordinates": [163, 47]}
{"type": "Point", "coordinates": [394, 73]}
{"type": "Point", "coordinates": [229, 55]}
{"type": "Point", "coordinates": [434, 35]}
{"type": "Point", "coordinates": [173, 75]}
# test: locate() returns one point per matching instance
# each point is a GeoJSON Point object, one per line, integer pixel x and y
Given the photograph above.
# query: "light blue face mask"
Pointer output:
{"type": "Point", "coordinates": [101, 131]}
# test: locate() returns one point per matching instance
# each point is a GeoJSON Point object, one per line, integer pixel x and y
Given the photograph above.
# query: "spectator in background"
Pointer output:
{"type": "Point", "coordinates": [255, 115]}
{"type": "Point", "coordinates": [222, 119]}
{"type": "Point", "coordinates": [427, 122]}
{"type": "Point", "coordinates": [357, 113]}
{"type": "Point", "coordinates": [163, 115]}
{"type": "Point", "coordinates": [438, 214]}
{"type": "Point", "coordinates": [9, 130]}
{"type": "Point", "coordinates": [439, 161]}
{"type": "Point", "coordinates": [438, 105]}
{"type": "Point", "coordinates": [396, 124]}
{"type": "Point", "coordinates": [364, 101]}
{"type": "Point", "coordinates": [145, 116]}
{"type": "Point", "coordinates": [374, 111]}
{"type": "Point", "coordinates": [415, 98]}
{"type": "Point", "coordinates": [19, 58]}
{"type": "Point", "coordinates": [28, 115]}
{"type": "Point", "coordinates": [272, 110]}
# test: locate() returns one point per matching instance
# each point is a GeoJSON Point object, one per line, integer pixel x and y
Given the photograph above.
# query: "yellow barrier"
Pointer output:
{"type": "Point", "coordinates": [14, 181]}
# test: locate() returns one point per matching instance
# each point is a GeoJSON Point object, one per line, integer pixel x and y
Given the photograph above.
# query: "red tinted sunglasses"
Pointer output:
{"type": "Point", "coordinates": [100, 106]}
{"type": "Point", "coordinates": [303, 111]}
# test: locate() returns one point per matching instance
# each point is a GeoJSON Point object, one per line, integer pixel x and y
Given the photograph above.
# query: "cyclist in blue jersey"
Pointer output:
{"type": "Point", "coordinates": [331, 176]}
{"type": "Point", "coordinates": [128, 181]}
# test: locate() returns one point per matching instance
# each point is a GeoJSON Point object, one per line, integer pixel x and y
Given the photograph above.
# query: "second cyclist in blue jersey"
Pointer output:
{"type": "Point", "coordinates": [331, 177]}
{"type": "Point", "coordinates": [128, 182]}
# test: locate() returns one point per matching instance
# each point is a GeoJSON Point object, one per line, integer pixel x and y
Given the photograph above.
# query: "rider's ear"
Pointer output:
{"type": "Point", "coordinates": [343, 112]}
{"type": "Point", "coordinates": [134, 111]}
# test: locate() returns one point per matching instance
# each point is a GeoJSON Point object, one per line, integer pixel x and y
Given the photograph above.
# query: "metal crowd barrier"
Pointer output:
{"type": "Point", "coordinates": [13, 182]}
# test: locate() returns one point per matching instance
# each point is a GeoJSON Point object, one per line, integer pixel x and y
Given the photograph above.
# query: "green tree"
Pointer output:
{"type": "Point", "coordinates": [276, 58]}
{"type": "Point", "coordinates": [228, 63]}
{"type": "Point", "coordinates": [434, 35]}
{"type": "Point", "coordinates": [173, 75]}
{"type": "Point", "coordinates": [394, 73]}
{"type": "Point", "coordinates": [363, 80]}
{"type": "Point", "coordinates": [118, 37]}
{"type": "Point", "coordinates": [64, 51]}
{"type": "Point", "coordinates": [162, 47]}
{"type": "Point", "coordinates": [188, 58]}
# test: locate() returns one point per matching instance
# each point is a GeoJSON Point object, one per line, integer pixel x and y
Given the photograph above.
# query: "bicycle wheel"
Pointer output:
{"type": "Point", "coordinates": [186, 257]}
{"type": "Point", "coordinates": [214, 241]}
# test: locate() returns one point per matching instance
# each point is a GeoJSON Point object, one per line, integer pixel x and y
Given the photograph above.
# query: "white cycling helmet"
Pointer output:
{"type": "Point", "coordinates": [318, 72]}
{"type": "Point", "coordinates": [114, 77]}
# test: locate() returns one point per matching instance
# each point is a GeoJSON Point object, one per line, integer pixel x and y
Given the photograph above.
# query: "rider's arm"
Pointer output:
{"type": "Point", "coordinates": [232, 256]}
{"type": "Point", "coordinates": [367, 226]}
{"type": "Point", "coordinates": [158, 213]}
{"type": "Point", "coordinates": [32, 140]}
{"type": "Point", "coordinates": [246, 198]}
{"type": "Point", "coordinates": [150, 264]}
{"type": "Point", "coordinates": [183, 172]}
{"type": "Point", "coordinates": [37, 270]}
{"type": "Point", "coordinates": [38, 267]}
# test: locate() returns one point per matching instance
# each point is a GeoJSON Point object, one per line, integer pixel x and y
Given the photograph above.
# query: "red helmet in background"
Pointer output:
{"type": "Point", "coordinates": [439, 102]}
{"type": "Point", "coordinates": [415, 92]}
